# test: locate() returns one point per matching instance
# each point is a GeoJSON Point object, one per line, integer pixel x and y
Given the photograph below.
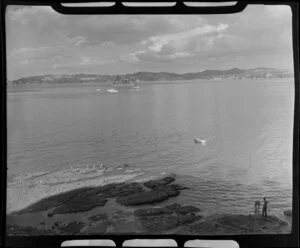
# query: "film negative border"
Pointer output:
{"type": "Point", "coordinates": [283, 240]}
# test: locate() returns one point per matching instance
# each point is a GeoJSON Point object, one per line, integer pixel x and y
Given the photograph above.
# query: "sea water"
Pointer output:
{"type": "Point", "coordinates": [67, 136]}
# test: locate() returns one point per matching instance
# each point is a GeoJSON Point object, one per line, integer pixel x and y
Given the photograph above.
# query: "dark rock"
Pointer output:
{"type": "Point", "coordinates": [80, 203]}
{"type": "Point", "coordinates": [173, 206]}
{"type": "Point", "coordinates": [182, 209]}
{"type": "Point", "coordinates": [97, 217]}
{"type": "Point", "coordinates": [84, 199]}
{"type": "Point", "coordinates": [119, 190]}
{"type": "Point", "coordinates": [187, 210]}
{"type": "Point", "coordinates": [181, 187]}
{"type": "Point", "coordinates": [157, 194]}
{"type": "Point", "coordinates": [187, 218]}
{"type": "Point", "coordinates": [15, 230]}
{"type": "Point", "coordinates": [237, 224]}
{"type": "Point", "coordinates": [288, 212]}
{"type": "Point", "coordinates": [159, 223]}
{"type": "Point", "coordinates": [52, 201]}
{"type": "Point", "coordinates": [72, 228]}
{"type": "Point", "coordinates": [159, 182]}
{"type": "Point", "coordinates": [152, 211]}
{"type": "Point", "coordinates": [48, 203]}
{"type": "Point", "coordinates": [156, 220]}
{"type": "Point", "coordinates": [49, 215]}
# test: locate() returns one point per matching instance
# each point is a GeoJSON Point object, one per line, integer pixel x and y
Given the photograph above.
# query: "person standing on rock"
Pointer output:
{"type": "Point", "coordinates": [265, 206]}
{"type": "Point", "coordinates": [256, 207]}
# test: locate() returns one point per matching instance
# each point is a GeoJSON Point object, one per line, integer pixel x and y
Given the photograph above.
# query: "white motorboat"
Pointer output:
{"type": "Point", "coordinates": [112, 90]}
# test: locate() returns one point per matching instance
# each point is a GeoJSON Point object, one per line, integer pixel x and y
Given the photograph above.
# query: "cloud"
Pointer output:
{"type": "Point", "coordinates": [148, 56]}
{"type": "Point", "coordinates": [71, 41]}
{"type": "Point", "coordinates": [27, 51]}
{"type": "Point", "coordinates": [38, 38]}
{"type": "Point", "coordinates": [177, 46]}
{"type": "Point", "coordinates": [182, 39]}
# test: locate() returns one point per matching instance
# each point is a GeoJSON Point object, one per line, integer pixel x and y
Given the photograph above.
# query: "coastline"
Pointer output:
{"type": "Point", "coordinates": [132, 206]}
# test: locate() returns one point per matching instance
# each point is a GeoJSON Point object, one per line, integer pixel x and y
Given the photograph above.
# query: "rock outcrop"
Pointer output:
{"type": "Point", "coordinates": [157, 220]}
{"type": "Point", "coordinates": [159, 182]}
{"type": "Point", "coordinates": [127, 194]}
{"type": "Point", "coordinates": [157, 194]}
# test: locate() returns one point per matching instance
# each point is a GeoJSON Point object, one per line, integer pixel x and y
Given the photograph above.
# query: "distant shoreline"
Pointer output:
{"type": "Point", "coordinates": [30, 87]}
{"type": "Point", "coordinates": [234, 73]}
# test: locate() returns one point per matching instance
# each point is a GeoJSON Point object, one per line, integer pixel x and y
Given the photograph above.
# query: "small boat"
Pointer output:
{"type": "Point", "coordinates": [200, 141]}
{"type": "Point", "coordinates": [112, 90]}
{"type": "Point", "coordinates": [98, 89]}
{"type": "Point", "coordinates": [135, 87]}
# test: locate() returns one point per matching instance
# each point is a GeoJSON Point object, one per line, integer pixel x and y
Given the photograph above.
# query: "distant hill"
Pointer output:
{"type": "Point", "coordinates": [234, 73]}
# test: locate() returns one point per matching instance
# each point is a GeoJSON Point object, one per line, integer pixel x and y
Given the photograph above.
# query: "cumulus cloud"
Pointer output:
{"type": "Point", "coordinates": [180, 45]}
{"type": "Point", "coordinates": [38, 38]}
{"type": "Point", "coordinates": [72, 41]}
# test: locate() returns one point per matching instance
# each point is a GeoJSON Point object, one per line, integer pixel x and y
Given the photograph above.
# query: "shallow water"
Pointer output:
{"type": "Point", "coordinates": [248, 125]}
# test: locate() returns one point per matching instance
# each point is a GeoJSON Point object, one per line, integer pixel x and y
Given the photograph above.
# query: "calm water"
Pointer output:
{"type": "Point", "coordinates": [249, 124]}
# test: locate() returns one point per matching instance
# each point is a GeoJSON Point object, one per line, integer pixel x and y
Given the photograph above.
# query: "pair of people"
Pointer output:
{"type": "Point", "coordinates": [257, 206]}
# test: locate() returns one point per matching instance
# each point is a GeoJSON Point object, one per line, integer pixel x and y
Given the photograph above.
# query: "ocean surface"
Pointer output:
{"type": "Point", "coordinates": [66, 136]}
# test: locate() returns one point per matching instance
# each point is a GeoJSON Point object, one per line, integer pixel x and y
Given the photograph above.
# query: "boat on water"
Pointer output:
{"type": "Point", "coordinates": [200, 141]}
{"type": "Point", "coordinates": [112, 90]}
{"type": "Point", "coordinates": [135, 87]}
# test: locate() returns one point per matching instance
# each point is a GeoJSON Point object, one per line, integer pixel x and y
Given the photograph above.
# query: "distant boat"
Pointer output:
{"type": "Point", "coordinates": [203, 141]}
{"type": "Point", "coordinates": [112, 90]}
{"type": "Point", "coordinates": [135, 87]}
{"type": "Point", "coordinates": [98, 89]}
{"type": "Point", "coordinates": [200, 141]}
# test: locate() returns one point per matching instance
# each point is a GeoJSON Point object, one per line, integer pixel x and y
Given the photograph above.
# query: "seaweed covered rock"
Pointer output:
{"type": "Point", "coordinates": [71, 228]}
{"type": "Point", "coordinates": [80, 203]}
{"type": "Point", "coordinates": [120, 190]}
{"type": "Point", "coordinates": [157, 194]}
{"type": "Point", "coordinates": [152, 211]}
{"type": "Point", "coordinates": [16, 230]}
{"type": "Point", "coordinates": [156, 220]}
{"type": "Point", "coordinates": [85, 199]}
{"type": "Point", "coordinates": [182, 209]}
{"type": "Point", "coordinates": [49, 202]}
{"type": "Point", "coordinates": [97, 217]}
{"type": "Point", "coordinates": [237, 224]}
{"type": "Point", "coordinates": [159, 182]}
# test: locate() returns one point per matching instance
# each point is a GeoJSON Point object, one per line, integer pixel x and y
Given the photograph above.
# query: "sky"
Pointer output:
{"type": "Point", "coordinates": [41, 41]}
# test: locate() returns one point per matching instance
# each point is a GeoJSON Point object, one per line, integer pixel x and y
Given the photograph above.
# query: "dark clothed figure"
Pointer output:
{"type": "Point", "coordinates": [256, 207]}
{"type": "Point", "coordinates": [265, 207]}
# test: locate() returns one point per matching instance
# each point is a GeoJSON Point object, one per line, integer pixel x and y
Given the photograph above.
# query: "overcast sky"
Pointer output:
{"type": "Point", "coordinates": [41, 41]}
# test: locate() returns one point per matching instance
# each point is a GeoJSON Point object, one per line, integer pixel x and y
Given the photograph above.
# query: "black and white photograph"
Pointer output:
{"type": "Point", "coordinates": [149, 124]}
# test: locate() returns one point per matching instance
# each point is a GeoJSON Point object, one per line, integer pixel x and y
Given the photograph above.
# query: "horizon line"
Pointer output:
{"type": "Point", "coordinates": [260, 67]}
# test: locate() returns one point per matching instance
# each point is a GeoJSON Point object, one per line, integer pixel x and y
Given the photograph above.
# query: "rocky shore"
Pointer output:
{"type": "Point", "coordinates": [130, 208]}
